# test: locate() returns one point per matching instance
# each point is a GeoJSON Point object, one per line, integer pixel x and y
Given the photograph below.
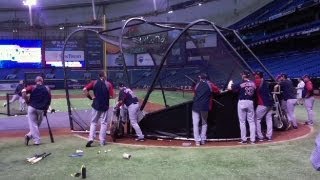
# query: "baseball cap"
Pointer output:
{"type": "Point", "coordinates": [203, 76]}
{"type": "Point", "coordinates": [305, 76]}
{"type": "Point", "coordinates": [121, 85]}
{"type": "Point", "coordinates": [259, 73]}
{"type": "Point", "coordinates": [246, 73]}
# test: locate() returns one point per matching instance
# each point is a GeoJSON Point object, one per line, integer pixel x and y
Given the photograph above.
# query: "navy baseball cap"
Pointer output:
{"type": "Point", "coordinates": [203, 76]}
{"type": "Point", "coordinates": [259, 73]}
{"type": "Point", "coordinates": [246, 73]}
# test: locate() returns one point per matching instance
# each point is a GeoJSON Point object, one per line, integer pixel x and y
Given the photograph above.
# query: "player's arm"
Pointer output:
{"type": "Point", "coordinates": [88, 88]}
{"type": "Point", "coordinates": [111, 91]}
{"type": "Point", "coordinates": [26, 91]}
{"type": "Point", "coordinates": [121, 99]}
{"type": "Point", "coordinates": [215, 89]}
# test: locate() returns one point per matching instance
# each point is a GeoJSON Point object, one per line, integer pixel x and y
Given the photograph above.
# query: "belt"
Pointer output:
{"type": "Point", "coordinates": [246, 99]}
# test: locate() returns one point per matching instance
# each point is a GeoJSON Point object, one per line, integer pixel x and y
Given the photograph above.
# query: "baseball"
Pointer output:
{"type": "Point", "coordinates": [99, 152]}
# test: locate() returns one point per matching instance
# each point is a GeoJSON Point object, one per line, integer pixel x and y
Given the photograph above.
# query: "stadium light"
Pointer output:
{"type": "Point", "coordinates": [200, 4]}
{"type": "Point", "coordinates": [170, 12]}
{"type": "Point", "coordinates": [30, 2]}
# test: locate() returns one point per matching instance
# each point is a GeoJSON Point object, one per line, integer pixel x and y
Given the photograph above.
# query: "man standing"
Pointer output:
{"type": "Point", "coordinates": [18, 96]}
{"type": "Point", "coordinates": [102, 91]}
{"type": "Point", "coordinates": [307, 94]}
{"type": "Point", "coordinates": [264, 108]}
{"type": "Point", "coordinates": [128, 98]}
{"type": "Point", "coordinates": [202, 103]}
{"type": "Point", "coordinates": [290, 99]}
{"type": "Point", "coordinates": [246, 91]}
{"type": "Point", "coordinates": [38, 104]}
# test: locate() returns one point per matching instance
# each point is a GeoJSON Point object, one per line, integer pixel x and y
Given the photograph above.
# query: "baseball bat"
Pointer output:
{"type": "Point", "coordinates": [40, 158]}
{"type": "Point", "coordinates": [35, 157]}
{"type": "Point", "coordinates": [50, 132]}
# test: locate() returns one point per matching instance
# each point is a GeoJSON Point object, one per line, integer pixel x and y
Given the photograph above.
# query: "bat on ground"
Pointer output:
{"type": "Point", "coordinates": [40, 158]}
{"type": "Point", "coordinates": [50, 132]}
{"type": "Point", "coordinates": [35, 157]}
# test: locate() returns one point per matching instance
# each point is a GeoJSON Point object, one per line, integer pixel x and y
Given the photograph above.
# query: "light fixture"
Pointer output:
{"type": "Point", "coordinates": [79, 26]}
{"type": "Point", "coordinates": [14, 30]}
{"type": "Point", "coordinates": [200, 4]}
{"type": "Point", "coordinates": [30, 2]}
{"type": "Point", "coordinates": [123, 20]}
{"type": "Point", "coordinates": [61, 28]}
{"type": "Point", "coordinates": [170, 12]}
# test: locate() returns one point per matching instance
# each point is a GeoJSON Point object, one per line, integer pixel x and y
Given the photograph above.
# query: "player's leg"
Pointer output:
{"type": "Point", "coordinates": [250, 118]}
{"type": "Point", "coordinates": [204, 126]}
{"type": "Point", "coordinates": [269, 124]}
{"type": "Point", "coordinates": [260, 112]}
{"type": "Point", "coordinates": [95, 117]}
{"type": "Point", "coordinates": [195, 122]}
{"type": "Point", "coordinates": [308, 103]}
{"type": "Point", "coordinates": [242, 120]}
{"type": "Point", "coordinates": [290, 112]}
{"type": "Point", "coordinates": [13, 99]}
{"type": "Point", "coordinates": [133, 116]}
{"type": "Point", "coordinates": [33, 125]}
{"type": "Point", "coordinates": [103, 128]}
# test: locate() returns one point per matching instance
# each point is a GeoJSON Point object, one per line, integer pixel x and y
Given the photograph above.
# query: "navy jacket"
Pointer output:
{"type": "Point", "coordinates": [127, 97]}
{"type": "Point", "coordinates": [288, 90]}
{"type": "Point", "coordinates": [101, 93]}
{"type": "Point", "coordinates": [264, 92]}
{"type": "Point", "coordinates": [40, 97]}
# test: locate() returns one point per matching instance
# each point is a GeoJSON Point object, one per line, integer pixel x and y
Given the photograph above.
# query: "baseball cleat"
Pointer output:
{"type": "Point", "coordinates": [197, 143]}
{"type": "Point", "coordinates": [89, 143]}
{"type": "Point", "coordinates": [203, 142]}
{"type": "Point", "coordinates": [139, 139]}
{"type": "Point", "coordinates": [243, 142]}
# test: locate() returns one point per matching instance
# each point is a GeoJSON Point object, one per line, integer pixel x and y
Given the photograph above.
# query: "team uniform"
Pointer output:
{"type": "Point", "coordinates": [307, 94]}
{"type": "Point", "coordinates": [202, 103]}
{"type": "Point", "coordinates": [128, 98]}
{"type": "Point", "coordinates": [264, 108]}
{"type": "Point", "coordinates": [18, 97]}
{"type": "Point", "coordinates": [289, 100]}
{"type": "Point", "coordinates": [39, 102]}
{"type": "Point", "coordinates": [102, 91]}
{"type": "Point", "coordinates": [246, 91]}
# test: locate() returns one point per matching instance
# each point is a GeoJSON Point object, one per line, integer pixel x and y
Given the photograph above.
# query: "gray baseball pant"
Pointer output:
{"type": "Point", "coordinates": [35, 117]}
{"type": "Point", "coordinates": [291, 103]}
{"type": "Point", "coordinates": [246, 112]}
{"type": "Point", "coordinates": [262, 111]}
{"type": "Point", "coordinates": [16, 97]}
{"type": "Point", "coordinates": [103, 127]}
{"type": "Point", "coordinates": [196, 116]}
{"type": "Point", "coordinates": [308, 104]}
{"type": "Point", "coordinates": [133, 116]}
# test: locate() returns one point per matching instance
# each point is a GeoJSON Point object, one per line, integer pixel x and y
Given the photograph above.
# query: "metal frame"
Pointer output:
{"type": "Point", "coordinates": [165, 26]}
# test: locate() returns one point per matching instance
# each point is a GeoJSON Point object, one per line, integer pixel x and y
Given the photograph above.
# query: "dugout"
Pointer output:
{"type": "Point", "coordinates": [175, 54]}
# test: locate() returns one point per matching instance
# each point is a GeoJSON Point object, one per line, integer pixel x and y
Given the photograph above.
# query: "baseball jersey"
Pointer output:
{"type": "Point", "coordinates": [307, 90]}
{"type": "Point", "coordinates": [202, 100]}
{"type": "Point", "coordinates": [40, 96]}
{"type": "Point", "coordinates": [127, 97]}
{"type": "Point", "coordinates": [246, 90]}
{"type": "Point", "coordinates": [102, 91]}
{"type": "Point", "coordinates": [288, 90]}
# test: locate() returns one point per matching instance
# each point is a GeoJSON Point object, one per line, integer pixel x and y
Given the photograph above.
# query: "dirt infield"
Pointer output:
{"type": "Point", "coordinates": [279, 136]}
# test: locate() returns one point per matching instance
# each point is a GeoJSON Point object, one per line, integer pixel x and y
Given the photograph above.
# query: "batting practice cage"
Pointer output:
{"type": "Point", "coordinates": [161, 62]}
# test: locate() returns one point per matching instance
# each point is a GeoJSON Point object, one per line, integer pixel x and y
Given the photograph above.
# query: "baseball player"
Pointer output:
{"type": "Point", "coordinates": [202, 103]}
{"type": "Point", "coordinates": [38, 104]}
{"type": "Point", "coordinates": [102, 91]}
{"type": "Point", "coordinates": [18, 96]}
{"type": "Point", "coordinates": [246, 91]}
{"type": "Point", "coordinates": [289, 98]}
{"type": "Point", "coordinates": [300, 88]}
{"type": "Point", "coordinates": [307, 94]}
{"type": "Point", "coordinates": [128, 98]}
{"type": "Point", "coordinates": [264, 108]}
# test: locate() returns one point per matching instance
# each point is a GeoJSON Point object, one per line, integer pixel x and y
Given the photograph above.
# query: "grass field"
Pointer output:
{"type": "Point", "coordinates": [288, 160]}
